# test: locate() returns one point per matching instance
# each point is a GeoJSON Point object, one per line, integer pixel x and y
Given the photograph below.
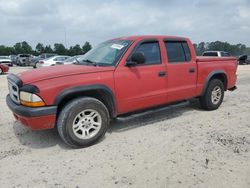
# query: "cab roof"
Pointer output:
{"type": "Point", "coordinates": [141, 37]}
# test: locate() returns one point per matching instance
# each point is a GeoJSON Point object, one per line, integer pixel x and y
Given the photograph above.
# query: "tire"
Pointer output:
{"type": "Point", "coordinates": [213, 96]}
{"type": "Point", "coordinates": [77, 127]}
{"type": "Point", "coordinates": [1, 71]}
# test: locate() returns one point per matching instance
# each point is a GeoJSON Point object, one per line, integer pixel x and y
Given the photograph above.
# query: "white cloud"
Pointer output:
{"type": "Point", "coordinates": [46, 21]}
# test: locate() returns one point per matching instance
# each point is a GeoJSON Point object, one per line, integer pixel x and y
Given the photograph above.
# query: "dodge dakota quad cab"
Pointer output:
{"type": "Point", "coordinates": [119, 76]}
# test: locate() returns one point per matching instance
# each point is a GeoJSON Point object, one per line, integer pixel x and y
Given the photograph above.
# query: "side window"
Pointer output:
{"type": "Point", "coordinates": [187, 51]}
{"type": "Point", "coordinates": [151, 51]}
{"type": "Point", "coordinates": [177, 51]}
{"type": "Point", "coordinates": [60, 59]}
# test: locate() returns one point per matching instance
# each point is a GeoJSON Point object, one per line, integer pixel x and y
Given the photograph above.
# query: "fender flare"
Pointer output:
{"type": "Point", "coordinates": [210, 75]}
{"type": "Point", "coordinates": [109, 95]}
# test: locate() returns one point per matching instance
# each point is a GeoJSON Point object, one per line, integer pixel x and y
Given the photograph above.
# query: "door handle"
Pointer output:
{"type": "Point", "coordinates": [191, 70]}
{"type": "Point", "coordinates": [161, 74]}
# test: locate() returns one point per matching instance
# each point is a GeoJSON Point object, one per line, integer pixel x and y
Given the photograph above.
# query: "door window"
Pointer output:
{"type": "Point", "coordinates": [177, 51]}
{"type": "Point", "coordinates": [151, 52]}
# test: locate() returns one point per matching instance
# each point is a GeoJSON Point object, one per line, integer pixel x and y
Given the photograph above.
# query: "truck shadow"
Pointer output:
{"type": "Point", "coordinates": [155, 115]}
{"type": "Point", "coordinates": [50, 138]}
{"type": "Point", "coordinates": [37, 139]}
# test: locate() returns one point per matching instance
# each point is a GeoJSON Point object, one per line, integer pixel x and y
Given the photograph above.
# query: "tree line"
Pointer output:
{"type": "Point", "coordinates": [234, 49]}
{"type": "Point", "coordinates": [58, 48]}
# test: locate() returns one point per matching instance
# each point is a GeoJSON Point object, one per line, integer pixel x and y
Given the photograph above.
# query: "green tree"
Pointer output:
{"type": "Point", "coordinates": [48, 49]}
{"type": "Point", "coordinates": [18, 48]}
{"type": "Point", "coordinates": [5, 50]}
{"type": "Point", "coordinates": [60, 49]}
{"type": "Point", "coordinates": [201, 48]}
{"type": "Point", "coordinates": [86, 47]}
{"type": "Point", "coordinates": [39, 48]}
{"type": "Point", "coordinates": [26, 47]}
{"type": "Point", "coordinates": [23, 47]}
{"type": "Point", "coordinates": [75, 50]}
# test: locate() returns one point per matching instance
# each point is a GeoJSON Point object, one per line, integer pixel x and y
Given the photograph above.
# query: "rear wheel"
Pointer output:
{"type": "Point", "coordinates": [83, 121]}
{"type": "Point", "coordinates": [213, 96]}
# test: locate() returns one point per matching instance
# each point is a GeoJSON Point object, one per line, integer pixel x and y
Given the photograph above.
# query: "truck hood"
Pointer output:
{"type": "Point", "coordinates": [46, 73]}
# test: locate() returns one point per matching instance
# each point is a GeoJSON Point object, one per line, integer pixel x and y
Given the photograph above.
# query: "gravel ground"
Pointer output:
{"type": "Point", "coordinates": [175, 146]}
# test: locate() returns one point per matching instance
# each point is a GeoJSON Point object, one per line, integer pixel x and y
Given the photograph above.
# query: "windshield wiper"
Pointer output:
{"type": "Point", "coordinates": [89, 61]}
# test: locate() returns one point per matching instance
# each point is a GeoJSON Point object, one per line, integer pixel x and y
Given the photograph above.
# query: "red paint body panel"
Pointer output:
{"type": "Point", "coordinates": [37, 123]}
{"type": "Point", "coordinates": [134, 88]}
{"type": "Point", "coordinates": [4, 68]}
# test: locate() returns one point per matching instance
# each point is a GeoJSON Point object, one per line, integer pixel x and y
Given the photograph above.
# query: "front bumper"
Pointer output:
{"type": "Point", "coordinates": [35, 118]}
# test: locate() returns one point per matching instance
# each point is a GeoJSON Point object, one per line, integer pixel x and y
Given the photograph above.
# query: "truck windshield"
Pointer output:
{"type": "Point", "coordinates": [105, 54]}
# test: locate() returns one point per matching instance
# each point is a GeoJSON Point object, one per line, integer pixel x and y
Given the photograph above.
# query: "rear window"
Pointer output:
{"type": "Point", "coordinates": [177, 51]}
{"type": "Point", "coordinates": [210, 54]}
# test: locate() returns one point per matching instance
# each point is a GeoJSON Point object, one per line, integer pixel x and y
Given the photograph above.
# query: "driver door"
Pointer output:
{"type": "Point", "coordinates": [143, 85]}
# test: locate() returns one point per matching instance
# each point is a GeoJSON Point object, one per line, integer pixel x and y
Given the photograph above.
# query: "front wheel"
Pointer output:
{"type": "Point", "coordinates": [83, 121]}
{"type": "Point", "coordinates": [213, 96]}
{"type": "Point", "coordinates": [1, 70]}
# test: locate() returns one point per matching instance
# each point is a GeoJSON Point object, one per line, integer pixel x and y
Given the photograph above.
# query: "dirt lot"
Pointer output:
{"type": "Point", "coordinates": [176, 146]}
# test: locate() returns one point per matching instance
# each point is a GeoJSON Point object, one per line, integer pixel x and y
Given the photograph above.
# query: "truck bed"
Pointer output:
{"type": "Point", "coordinates": [208, 65]}
{"type": "Point", "coordinates": [207, 58]}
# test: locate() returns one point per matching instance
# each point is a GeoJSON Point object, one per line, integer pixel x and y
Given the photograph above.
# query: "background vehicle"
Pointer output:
{"type": "Point", "coordinates": [68, 61]}
{"type": "Point", "coordinates": [117, 77]}
{"type": "Point", "coordinates": [13, 59]}
{"type": "Point", "coordinates": [23, 59]}
{"type": "Point", "coordinates": [35, 60]}
{"type": "Point", "coordinates": [3, 68]}
{"type": "Point", "coordinates": [51, 61]}
{"type": "Point", "coordinates": [244, 60]}
{"type": "Point", "coordinates": [6, 61]}
{"type": "Point", "coordinates": [216, 53]}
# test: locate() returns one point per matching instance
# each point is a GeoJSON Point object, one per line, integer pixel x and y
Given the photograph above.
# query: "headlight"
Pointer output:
{"type": "Point", "coordinates": [30, 99]}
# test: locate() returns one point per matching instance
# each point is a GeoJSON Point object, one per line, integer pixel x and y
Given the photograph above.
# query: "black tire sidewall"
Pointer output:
{"type": "Point", "coordinates": [72, 109]}
{"type": "Point", "coordinates": [208, 96]}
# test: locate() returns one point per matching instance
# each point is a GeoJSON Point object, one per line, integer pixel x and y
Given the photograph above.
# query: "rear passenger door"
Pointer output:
{"type": "Point", "coordinates": [181, 71]}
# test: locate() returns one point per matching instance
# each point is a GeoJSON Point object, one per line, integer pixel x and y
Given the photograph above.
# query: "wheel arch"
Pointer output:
{"type": "Point", "coordinates": [220, 75]}
{"type": "Point", "coordinates": [100, 92]}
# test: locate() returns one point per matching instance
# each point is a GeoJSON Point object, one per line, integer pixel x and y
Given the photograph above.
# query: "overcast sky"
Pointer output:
{"type": "Point", "coordinates": [47, 21]}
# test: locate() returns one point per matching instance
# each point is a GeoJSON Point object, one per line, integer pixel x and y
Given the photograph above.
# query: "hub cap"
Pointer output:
{"type": "Point", "coordinates": [216, 95]}
{"type": "Point", "coordinates": [87, 124]}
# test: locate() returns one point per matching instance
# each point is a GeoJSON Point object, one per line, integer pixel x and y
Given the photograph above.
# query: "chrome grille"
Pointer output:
{"type": "Point", "coordinates": [14, 92]}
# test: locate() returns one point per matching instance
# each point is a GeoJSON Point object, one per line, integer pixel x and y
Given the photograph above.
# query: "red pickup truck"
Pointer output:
{"type": "Point", "coordinates": [118, 76]}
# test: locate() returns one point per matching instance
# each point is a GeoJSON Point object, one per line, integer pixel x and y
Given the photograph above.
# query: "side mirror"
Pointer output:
{"type": "Point", "coordinates": [136, 58]}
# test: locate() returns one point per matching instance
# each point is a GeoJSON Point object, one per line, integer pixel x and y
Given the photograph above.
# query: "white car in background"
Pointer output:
{"type": "Point", "coordinates": [70, 60]}
{"type": "Point", "coordinates": [5, 60]}
{"type": "Point", "coordinates": [51, 61]}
